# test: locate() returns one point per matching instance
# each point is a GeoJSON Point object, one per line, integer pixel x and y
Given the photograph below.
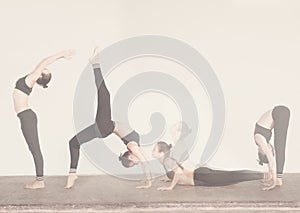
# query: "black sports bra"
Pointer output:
{"type": "Point", "coordinates": [170, 174]}
{"type": "Point", "coordinates": [22, 86]}
{"type": "Point", "coordinates": [132, 136]}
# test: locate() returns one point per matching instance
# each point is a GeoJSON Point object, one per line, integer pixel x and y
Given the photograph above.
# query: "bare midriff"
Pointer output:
{"type": "Point", "coordinates": [187, 178]}
{"type": "Point", "coordinates": [21, 101]}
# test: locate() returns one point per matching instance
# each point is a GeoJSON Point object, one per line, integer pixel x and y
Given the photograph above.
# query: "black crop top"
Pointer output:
{"type": "Point", "coordinates": [22, 86]}
{"type": "Point", "coordinates": [170, 174]}
{"type": "Point", "coordinates": [132, 136]}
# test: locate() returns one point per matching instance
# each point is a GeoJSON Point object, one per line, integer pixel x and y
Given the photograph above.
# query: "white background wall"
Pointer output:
{"type": "Point", "coordinates": [253, 46]}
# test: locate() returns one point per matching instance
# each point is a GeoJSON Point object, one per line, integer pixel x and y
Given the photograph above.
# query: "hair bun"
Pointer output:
{"type": "Point", "coordinates": [45, 86]}
{"type": "Point", "coordinates": [120, 157]}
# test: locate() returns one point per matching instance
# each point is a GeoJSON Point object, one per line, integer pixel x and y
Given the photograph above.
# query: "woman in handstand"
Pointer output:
{"type": "Point", "coordinates": [103, 127]}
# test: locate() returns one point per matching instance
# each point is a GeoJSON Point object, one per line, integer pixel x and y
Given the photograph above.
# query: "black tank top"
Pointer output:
{"type": "Point", "coordinates": [170, 174]}
{"type": "Point", "coordinates": [22, 86]}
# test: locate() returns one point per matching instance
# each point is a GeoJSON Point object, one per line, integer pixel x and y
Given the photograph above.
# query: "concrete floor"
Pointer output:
{"type": "Point", "coordinates": [109, 194]}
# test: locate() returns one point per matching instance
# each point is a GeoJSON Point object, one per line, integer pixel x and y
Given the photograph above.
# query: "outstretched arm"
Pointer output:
{"type": "Point", "coordinates": [178, 172]}
{"type": "Point", "coordinates": [136, 150]}
{"type": "Point", "coordinates": [37, 71]}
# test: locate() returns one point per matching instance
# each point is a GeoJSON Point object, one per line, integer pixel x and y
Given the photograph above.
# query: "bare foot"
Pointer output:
{"type": "Point", "coordinates": [279, 182]}
{"type": "Point", "coordinates": [37, 184]}
{"type": "Point", "coordinates": [71, 180]}
{"type": "Point", "coordinates": [94, 59]}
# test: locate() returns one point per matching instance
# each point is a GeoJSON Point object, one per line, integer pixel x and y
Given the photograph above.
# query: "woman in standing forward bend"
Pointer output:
{"type": "Point", "coordinates": [278, 119]}
{"type": "Point", "coordinates": [103, 127]}
{"type": "Point", "coordinates": [28, 118]}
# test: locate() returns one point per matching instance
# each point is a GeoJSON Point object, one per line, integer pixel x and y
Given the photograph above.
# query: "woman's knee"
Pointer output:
{"type": "Point", "coordinates": [74, 143]}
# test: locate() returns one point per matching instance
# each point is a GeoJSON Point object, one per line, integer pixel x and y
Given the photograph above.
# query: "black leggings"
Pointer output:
{"type": "Point", "coordinates": [204, 176]}
{"type": "Point", "coordinates": [103, 125]}
{"type": "Point", "coordinates": [281, 117]}
{"type": "Point", "coordinates": [29, 129]}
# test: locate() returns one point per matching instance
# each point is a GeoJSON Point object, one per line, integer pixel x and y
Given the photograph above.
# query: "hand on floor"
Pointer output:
{"type": "Point", "coordinates": [269, 187]}
{"type": "Point", "coordinates": [147, 185]}
{"type": "Point", "coordinates": [164, 188]}
{"type": "Point", "coordinates": [165, 180]}
{"type": "Point", "coordinates": [267, 183]}
{"type": "Point", "coordinates": [267, 177]}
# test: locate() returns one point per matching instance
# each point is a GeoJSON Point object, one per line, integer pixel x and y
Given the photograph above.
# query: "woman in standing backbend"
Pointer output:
{"type": "Point", "coordinates": [41, 76]}
{"type": "Point", "coordinates": [103, 127]}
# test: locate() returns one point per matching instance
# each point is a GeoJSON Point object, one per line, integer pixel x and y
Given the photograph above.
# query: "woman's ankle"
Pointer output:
{"type": "Point", "coordinates": [39, 178]}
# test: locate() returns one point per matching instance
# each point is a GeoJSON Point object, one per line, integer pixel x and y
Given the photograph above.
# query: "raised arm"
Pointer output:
{"type": "Point", "coordinates": [37, 71]}
{"type": "Point", "coordinates": [136, 150]}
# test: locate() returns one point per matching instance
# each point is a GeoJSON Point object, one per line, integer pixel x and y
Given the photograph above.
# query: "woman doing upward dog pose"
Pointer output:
{"type": "Point", "coordinates": [201, 176]}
